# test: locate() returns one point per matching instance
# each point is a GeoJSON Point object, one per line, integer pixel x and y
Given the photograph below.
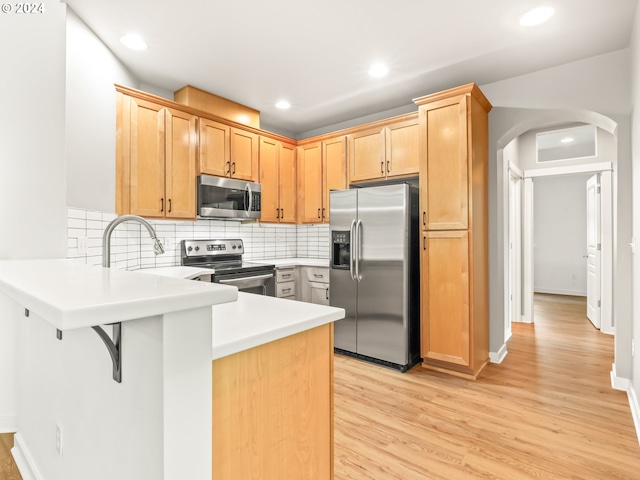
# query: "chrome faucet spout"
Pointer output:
{"type": "Point", "coordinates": [106, 237]}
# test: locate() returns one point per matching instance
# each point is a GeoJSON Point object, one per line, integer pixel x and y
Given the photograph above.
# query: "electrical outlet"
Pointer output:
{"type": "Point", "coordinates": [82, 245]}
{"type": "Point", "coordinates": [59, 439]}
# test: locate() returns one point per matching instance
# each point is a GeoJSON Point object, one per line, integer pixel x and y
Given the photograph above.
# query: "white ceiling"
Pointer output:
{"type": "Point", "coordinates": [316, 54]}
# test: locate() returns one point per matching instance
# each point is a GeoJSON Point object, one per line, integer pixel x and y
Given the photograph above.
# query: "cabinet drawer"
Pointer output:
{"type": "Point", "coordinates": [285, 274]}
{"type": "Point", "coordinates": [317, 274]}
{"type": "Point", "coordinates": [286, 289]}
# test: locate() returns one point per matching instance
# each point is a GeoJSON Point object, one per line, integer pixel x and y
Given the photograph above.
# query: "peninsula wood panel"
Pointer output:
{"type": "Point", "coordinates": [180, 164]}
{"type": "Point", "coordinates": [273, 410]}
{"type": "Point", "coordinates": [214, 156]}
{"type": "Point", "coordinates": [288, 181]}
{"type": "Point", "coordinates": [244, 155]}
{"type": "Point", "coordinates": [147, 153]}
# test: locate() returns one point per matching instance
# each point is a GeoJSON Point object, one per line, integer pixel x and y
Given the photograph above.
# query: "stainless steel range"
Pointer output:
{"type": "Point", "coordinates": [224, 258]}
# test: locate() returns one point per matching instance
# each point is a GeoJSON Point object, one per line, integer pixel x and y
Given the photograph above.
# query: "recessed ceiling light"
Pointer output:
{"type": "Point", "coordinates": [536, 16]}
{"type": "Point", "coordinates": [378, 70]}
{"type": "Point", "coordinates": [133, 41]}
{"type": "Point", "coordinates": [567, 140]}
{"type": "Point", "coordinates": [283, 105]}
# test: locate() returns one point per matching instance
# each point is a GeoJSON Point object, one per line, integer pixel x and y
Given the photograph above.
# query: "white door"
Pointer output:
{"type": "Point", "coordinates": [593, 250]}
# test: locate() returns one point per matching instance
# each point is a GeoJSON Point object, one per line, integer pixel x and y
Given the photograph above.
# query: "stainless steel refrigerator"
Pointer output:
{"type": "Point", "coordinates": [374, 273]}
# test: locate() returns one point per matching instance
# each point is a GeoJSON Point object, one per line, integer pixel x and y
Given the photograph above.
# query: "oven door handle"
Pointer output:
{"type": "Point", "coordinates": [247, 278]}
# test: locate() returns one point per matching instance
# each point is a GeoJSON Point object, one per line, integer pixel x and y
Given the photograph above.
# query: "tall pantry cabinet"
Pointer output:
{"type": "Point", "coordinates": [454, 240]}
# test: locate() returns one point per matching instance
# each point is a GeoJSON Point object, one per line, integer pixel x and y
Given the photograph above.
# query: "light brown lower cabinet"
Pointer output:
{"type": "Point", "coordinates": [273, 410]}
{"type": "Point", "coordinates": [454, 330]}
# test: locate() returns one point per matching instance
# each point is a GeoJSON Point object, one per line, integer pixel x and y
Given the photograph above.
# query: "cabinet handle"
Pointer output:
{"type": "Point", "coordinates": [169, 205]}
{"type": "Point", "coordinates": [327, 293]}
{"type": "Point", "coordinates": [424, 218]}
{"type": "Point", "coordinates": [381, 167]}
{"type": "Point", "coordinates": [234, 168]}
{"type": "Point", "coordinates": [162, 204]}
{"type": "Point", "coordinates": [286, 290]}
{"type": "Point", "coordinates": [286, 275]}
{"type": "Point", "coordinates": [318, 213]}
{"type": "Point", "coordinates": [229, 168]}
{"type": "Point", "coordinates": [277, 213]}
{"type": "Point", "coordinates": [388, 166]}
{"type": "Point", "coordinates": [323, 213]}
{"type": "Point", "coordinates": [424, 243]}
{"type": "Point", "coordinates": [317, 275]}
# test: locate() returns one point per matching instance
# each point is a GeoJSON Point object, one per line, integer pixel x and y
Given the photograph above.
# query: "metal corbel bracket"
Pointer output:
{"type": "Point", "coordinates": [115, 348]}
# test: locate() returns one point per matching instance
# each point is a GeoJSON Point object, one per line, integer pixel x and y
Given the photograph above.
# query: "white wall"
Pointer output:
{"type": "Point", "coordinates": [558, 95]}
{"type": "Point", "coordinates": [91, 71]}
{"type": "Point", "coordinates": [32, 183]}
{"type": "Point", "coordinates": [635, 141]}
{"type": "Point", "coordinates": [560, 235]}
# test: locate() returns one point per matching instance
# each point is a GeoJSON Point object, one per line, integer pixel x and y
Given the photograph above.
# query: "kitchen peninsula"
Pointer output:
{"type": "Point", "coordinates": [76, 422]}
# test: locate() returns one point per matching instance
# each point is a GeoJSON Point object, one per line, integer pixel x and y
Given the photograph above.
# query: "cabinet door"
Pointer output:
{"type": "Point", "coordinates": [367, 155]}
{"type": "Point", "coordinates": [269, 179]}
{"type": "Point", "coordinates": [335, 170]}
{"type": "Point", "coordinates": [443, 170]}
{"type": "Point", "coordinates": [287, 167]}
{"type": "Point", "coordinates": [180, 165]}
{"type": "Point", "coordinates": [244, 155]}
{"type": "Point", "coordinates": [147, 144]}
{"type": "Point", "coordinates": [310, 183]}
{"type": "Point", "coordinates": [403, 148]}
{"type": "Point", "coordinates": [319, 293]}
{"type": "Point", "coordinates": [214, 158]}
{"type": "Point", "coordinates": [446, 334]}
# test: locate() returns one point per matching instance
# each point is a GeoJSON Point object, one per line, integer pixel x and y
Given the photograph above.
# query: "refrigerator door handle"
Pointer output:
{"type": "Point", "coordinates": [357, 255]}
{"type": "Point", "coordinates": [352, 265]}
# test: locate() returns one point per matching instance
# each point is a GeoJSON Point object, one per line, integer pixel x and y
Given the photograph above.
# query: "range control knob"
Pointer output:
{"type": "Point", "coordinates": [189, 249]}
{"type": "Point", "coordinates": [233, 245]}
{"type": "Point", "coordinates": [197, 248]}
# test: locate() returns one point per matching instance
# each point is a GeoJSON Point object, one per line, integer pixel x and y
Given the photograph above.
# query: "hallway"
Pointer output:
{"type": "Point", "coordinates": [547, 412]}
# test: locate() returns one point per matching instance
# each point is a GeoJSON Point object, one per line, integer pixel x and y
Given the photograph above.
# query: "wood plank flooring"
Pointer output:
{"type": "Point", "coordinates": [547, 412]}
{"type": "Point", "coordinates": [8, 469]}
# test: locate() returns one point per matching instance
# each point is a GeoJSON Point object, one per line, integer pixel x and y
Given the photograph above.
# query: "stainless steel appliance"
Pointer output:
{"type": "Point", "coordinates": [374, 273]}
{"type": "Point", "coordinates": [224, 258]}
{"type": "Point", "coordinates": [220, 197]}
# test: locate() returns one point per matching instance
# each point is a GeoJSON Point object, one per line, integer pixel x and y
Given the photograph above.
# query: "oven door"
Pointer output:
{"type": "Point", "coordinates": [259, 283]}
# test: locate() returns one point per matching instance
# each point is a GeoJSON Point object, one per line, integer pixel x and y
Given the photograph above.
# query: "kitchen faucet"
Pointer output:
{"type": "Point", "coordinates": [106, 237]}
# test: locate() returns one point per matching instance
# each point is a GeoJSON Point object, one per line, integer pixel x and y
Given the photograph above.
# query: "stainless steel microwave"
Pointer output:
{"type": "Point", "coordinates": [227, 198]}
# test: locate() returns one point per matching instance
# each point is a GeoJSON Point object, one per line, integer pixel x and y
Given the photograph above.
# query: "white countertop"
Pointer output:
{"type": "Point", "coordinates": [255, 320]}
{"type": "Point", "coordinates": [71, 295]}
{"type": "Point", "coordinates": [287, 262]}
{"type": "Point", "coordinates": [178, 271]}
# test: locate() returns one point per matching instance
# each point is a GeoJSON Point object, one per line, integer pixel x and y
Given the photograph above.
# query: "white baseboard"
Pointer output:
{"type": "Point", "coordinates": [635, 409]}
{"type": "Point", "coordinates": [8, 423]}
{"type": "Point", "coordinates": [619, 383]}
{"type": "Point", "coordinates": [24, 460]}
{"type": "Point", "coordinates": [498, 357]}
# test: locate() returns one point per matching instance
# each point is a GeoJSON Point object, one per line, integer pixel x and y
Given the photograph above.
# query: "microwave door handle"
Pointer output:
{"type": "Point", "coordinates": [250, 200]}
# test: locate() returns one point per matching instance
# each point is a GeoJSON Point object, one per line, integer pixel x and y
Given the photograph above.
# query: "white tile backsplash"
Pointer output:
{"type": "Point", "coordinates": [132, 249]}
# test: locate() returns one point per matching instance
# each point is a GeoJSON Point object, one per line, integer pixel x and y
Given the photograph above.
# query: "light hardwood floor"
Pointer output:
{"type": "Point", "coordinates": [547, 412]}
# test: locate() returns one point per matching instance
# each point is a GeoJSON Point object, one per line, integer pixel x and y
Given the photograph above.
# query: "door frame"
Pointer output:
{"type": "Point", "coordinates": [513, 295]}
{"type": "Point", "coordinates": [605, 170]}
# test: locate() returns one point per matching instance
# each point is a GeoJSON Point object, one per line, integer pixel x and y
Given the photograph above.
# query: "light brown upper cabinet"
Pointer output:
{"type": "Point", "coordinates": [227, 151]}
{"type": "Point", "coordinates": [322, 167]}
{"type": "Point", "coordinates": [278, 179]}
{"type": "Point", "coordinates": [155, 160]}
{"type": "Point", "coordinates": [385, 150]}
{"type": "Point", "coordinates": [454, 218]}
